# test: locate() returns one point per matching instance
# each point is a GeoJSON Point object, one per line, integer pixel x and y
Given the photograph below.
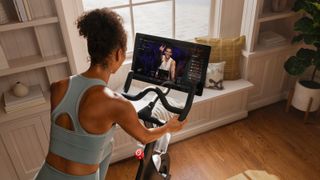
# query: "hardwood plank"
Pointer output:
{"type": "Point", "coordinates": [269, 140]}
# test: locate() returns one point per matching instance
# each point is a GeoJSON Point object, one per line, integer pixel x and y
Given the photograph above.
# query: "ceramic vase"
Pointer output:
{"type": "Point", "coordinates": [20, 90]}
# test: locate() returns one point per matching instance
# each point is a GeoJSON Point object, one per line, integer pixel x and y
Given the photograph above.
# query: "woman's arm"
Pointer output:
{"type": "Point", "coordinates": [173, 70]}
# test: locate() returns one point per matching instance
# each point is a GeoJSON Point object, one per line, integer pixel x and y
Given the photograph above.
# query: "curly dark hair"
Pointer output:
{"type": "Point", "coordinates": [104, 32]}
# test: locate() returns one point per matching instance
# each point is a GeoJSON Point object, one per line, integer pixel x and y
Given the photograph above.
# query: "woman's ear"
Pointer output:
{"type": "Point", "coordinates": [119, 54]}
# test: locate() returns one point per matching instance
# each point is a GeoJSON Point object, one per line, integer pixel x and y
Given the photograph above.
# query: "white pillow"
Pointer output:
{"type": "Point", "coordinates": [214, 76]}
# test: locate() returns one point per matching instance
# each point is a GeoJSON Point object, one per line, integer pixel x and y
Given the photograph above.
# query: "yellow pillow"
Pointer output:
{"type": "Point", "coordinates": [228, 50]}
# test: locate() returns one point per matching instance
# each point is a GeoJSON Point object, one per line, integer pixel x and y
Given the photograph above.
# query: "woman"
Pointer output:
{"type": "Point", "coordinates": [84, 111]}
{"type": "Point", "coordinates": [167, 63]}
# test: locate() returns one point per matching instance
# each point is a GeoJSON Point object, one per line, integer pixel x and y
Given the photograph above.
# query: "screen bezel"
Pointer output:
{"type": "Point", "coordinates": [176, 43]}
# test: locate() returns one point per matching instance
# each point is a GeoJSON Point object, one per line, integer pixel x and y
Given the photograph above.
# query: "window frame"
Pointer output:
{"type": "Point", "coordinates": [131, 5]}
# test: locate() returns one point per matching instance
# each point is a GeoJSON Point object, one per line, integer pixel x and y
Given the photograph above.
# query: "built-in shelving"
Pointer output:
{"type": "Point", "coordinates": [261, 17]}
{"type": "Point", "coordinates": [33, 52]}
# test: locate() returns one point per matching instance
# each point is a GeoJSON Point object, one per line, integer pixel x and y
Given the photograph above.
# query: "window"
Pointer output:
{"type": "Point", "coordinates": [179, 19]}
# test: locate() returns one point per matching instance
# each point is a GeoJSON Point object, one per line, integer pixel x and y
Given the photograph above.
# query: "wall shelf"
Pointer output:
{"type": "Point", "coordinates": [32, 62]}
{"type": "Point", "coordinates": [20, 25]}
{"type": "Point", "coordinates": [262, 51]}
{"type": "Point", "coordinates": [275, 16]}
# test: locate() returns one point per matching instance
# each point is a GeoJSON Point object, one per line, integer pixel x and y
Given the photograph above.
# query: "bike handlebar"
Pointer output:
{"type": "Point", "coordinates": [162, 96]}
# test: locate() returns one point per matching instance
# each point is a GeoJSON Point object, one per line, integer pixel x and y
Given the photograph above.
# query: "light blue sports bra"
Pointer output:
{"type": "Point", "coordinates": [78, 145]}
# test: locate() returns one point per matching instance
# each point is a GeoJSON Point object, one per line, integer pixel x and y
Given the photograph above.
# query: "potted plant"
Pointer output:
{"type": "Point", "coordinates": [307, 91]}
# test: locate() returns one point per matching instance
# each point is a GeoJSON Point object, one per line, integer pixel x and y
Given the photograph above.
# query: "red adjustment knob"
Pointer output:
{"type": "Point", "coordinates": [139, 154]}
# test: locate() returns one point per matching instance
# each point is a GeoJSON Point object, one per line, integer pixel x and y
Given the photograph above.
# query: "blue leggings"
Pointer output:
{"type": "Point", "coordinates": [48, 172]}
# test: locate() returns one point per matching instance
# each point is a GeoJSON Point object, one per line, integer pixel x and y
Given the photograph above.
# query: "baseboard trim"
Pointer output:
{"type": "Point", "coordinates": [266, 101]}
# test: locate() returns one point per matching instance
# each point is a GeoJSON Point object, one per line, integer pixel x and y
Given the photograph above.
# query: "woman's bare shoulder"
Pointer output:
{"type": "Point", "coordinates": [59, 85]}
{"type": "Point", "coordinates": [58, 90]}
{"type": "Point", "coordinates": [107, 97]}
{"type": "Point", "coordinates": [102, 103]}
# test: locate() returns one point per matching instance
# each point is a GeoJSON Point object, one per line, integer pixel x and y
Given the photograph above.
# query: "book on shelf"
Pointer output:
{"type": "Point", "coordinates": [10, 109]}
{"type": "Point", "coordinates": [13, 103]}
{"type": "Point", "coordinates": [21, 10]}
{"type": "Point", "coordinates": [3, 60]}
{"type": "Point", "coordinates": [270, 39]}
{"type": "Point", "coordinates": [27, 8]}
{"type": "Point", "coordinates": [4, 18]}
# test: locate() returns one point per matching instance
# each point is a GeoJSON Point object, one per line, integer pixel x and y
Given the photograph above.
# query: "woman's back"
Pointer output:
{"type": "Point", "coordinates": [92, 118]}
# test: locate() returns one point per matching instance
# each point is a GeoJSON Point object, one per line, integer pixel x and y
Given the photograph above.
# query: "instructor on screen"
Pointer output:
{"type": "Point", "coordinates": [167, 67]}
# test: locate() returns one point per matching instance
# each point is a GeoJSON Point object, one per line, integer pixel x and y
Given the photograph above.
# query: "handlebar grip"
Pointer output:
{"type": "Point", "coordinates": [128, 81]}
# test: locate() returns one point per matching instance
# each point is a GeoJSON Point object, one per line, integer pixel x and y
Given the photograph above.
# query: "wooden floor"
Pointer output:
{"type": "Point", "coordinates": [269, 139]}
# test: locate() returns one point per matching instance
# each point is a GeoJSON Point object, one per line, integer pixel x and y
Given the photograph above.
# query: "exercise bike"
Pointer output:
{"type": "Point", "coordinates": [191, 67]}
{"type": "Point", "coordinates": [156, 162]}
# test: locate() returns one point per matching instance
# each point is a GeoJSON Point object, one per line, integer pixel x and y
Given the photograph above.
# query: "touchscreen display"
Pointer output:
{"type": "Point", "coordinates": [157, 59]}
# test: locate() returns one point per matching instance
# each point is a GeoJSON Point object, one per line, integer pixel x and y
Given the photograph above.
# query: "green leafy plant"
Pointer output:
{"type": "Point", "coordinates": [308, 28]}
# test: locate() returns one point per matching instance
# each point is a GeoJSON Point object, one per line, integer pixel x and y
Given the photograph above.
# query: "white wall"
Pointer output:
{"type": "Point", "coordinates": [228, 17]}
{"type": "Point", "coordinates": [68, 12]}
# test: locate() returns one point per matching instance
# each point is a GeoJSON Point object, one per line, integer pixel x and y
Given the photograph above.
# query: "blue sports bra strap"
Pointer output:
{"type": "Point", "coordinates": [61, 107]}
{"type": "Point", "coordinates": [89, 83]}
{"type": "Point", "coordinates": [78, 85]}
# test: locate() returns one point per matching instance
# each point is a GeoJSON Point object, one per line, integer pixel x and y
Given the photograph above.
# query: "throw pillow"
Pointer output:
{"type": "Point", "coordinates": [214, 78]}
{"type": "Point", "coordinates": [228, 50]}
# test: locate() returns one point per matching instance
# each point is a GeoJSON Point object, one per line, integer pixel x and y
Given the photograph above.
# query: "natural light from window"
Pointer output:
{"type": "Point", "coordinates": [179, 19]}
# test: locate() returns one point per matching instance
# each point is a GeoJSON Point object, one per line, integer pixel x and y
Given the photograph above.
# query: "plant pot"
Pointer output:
{"type": "Point", "coordinates": [304, 90]}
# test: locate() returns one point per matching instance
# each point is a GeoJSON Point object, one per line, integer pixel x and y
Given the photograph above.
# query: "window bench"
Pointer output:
{"type": "Point", "coordinates": [213, 109]}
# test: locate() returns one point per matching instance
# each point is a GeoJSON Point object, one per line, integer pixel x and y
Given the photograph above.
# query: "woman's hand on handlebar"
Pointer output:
{"type": "Point", "coordinates": [174, 124]}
